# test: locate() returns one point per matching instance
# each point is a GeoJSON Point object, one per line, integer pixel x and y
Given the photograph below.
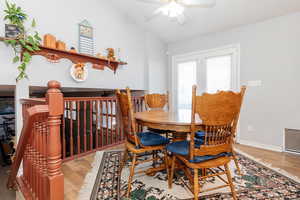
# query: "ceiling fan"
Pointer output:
{"type": "Point", "coordinates": [174, 9]}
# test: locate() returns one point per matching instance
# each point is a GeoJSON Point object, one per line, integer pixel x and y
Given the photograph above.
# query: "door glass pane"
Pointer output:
{"type": "Point", "coordinates": [218, 73]}
{"type": "Point", "coordinates": [186, 79]}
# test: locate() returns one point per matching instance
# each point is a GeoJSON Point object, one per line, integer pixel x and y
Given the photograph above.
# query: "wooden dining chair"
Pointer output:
{"type": "Point", "coordinates": [218, 113]}
{"type": "Point", "coordinates": [157, 101]}
{"type": "Point", "coordinates": [136, 143]}
{"type": "Point", "coordinates": [201, 134]}
{"type": "Point", "coordinates": [235, 123]}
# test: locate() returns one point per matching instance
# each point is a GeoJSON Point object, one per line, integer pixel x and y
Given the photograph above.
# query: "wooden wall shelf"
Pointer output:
{"type": "Point", "coordinates": [55, 55]}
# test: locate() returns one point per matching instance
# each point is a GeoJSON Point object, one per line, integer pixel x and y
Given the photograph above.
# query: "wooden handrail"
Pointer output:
{"type": "Point", "coordinates": [39, 148]}
{"type": "Point", "coordinates": [94, 98]}
{"type": "Point", "coordinates": [33, 101]}
{"type": "Point", "coordinates": [31, 115]}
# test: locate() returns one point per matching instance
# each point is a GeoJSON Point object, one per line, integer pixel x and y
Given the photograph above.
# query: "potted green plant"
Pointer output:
{"type": "Point", "coordinates": [24, 41]}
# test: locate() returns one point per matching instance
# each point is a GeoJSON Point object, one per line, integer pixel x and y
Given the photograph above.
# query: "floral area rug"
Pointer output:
{"type": "Point", "coordinates": [257, 182]}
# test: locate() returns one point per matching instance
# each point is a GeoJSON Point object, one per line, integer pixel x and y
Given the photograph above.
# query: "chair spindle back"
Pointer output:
{"type": "Point", "coordinates": [156, 101]}
{"type": "Point", "coordinates": [125, 111]}
{"type": "Point", "coordinates": [218, 113]}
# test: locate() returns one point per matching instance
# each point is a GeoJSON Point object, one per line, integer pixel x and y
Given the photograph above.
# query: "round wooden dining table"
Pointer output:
{"type": "Point", "coordinates": [177, 121]}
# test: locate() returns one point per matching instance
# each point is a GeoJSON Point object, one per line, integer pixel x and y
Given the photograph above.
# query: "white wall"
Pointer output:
{"type": "Point", "coordinates": [157, 65]}
{"type": "Point", "coordinates": [111, 29]}
{"type": "Point", "coordinates": [270, 51]}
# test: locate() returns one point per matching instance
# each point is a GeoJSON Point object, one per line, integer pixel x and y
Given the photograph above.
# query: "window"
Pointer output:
{"type": "Point", "coordinates": [218, 73]}
{"type": "Point", "coordinates": [211, 70]}
{"type": "Point", "coordinates": [186, 79]}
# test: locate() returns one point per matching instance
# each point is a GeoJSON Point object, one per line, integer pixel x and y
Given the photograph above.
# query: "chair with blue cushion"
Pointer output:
{"type": "Point", "coordinates": [157, 101]}
{"type": "Point", "coordinates": [154, 102]}
{"type": "Point", "coordinates": [211, 147]}
{"type": "Point", "coordinates": [136, 143]}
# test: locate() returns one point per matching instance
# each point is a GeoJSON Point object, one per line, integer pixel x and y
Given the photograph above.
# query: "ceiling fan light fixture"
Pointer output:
{"type": "Point", "coordinates": [172, 9]}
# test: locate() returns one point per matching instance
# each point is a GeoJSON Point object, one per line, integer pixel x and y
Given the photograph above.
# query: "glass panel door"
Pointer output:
{"type": "Point", "coordinates": [218, 73]}
{"type": "Point", "coordinates": [186, 78]}
{"type": "Point", "coordinates": [211, 70]}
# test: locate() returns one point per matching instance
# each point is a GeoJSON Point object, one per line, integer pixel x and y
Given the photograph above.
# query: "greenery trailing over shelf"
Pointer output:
{"type": "Point", "coordinates": [26, 42]}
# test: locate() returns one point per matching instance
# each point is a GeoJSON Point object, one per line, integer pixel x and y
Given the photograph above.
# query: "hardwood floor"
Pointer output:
{"type": "Point", "coordinates": [76, 170]}
{"type": "Point", "coordinates": [286, 161]}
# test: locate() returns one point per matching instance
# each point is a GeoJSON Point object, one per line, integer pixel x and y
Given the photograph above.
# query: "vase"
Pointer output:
{"type": "Point", "coordinates": [49, 41]}
{"type": "Point", "coordinates": [11, 31]}
{"type": "Point", "coordinates": [60, 45]}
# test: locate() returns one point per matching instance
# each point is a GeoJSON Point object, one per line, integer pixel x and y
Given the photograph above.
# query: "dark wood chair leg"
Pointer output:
{"type": "Point", "coordinates": [170, 179]}
{"type": "Point", "coordinates": [167, 163]}
{"type": "Point", "coordinates": [154, 156]}
{"type": "Point", "coordinates": [230, 181]}
{"type": "Point", "coordinates": [196, 184]}
{"type": "Point", "coordinates": [131, 175]}
{"type": "Point", "coordinates": [203, 171]}
{"type": "Point", "coordinates": [236, 163]}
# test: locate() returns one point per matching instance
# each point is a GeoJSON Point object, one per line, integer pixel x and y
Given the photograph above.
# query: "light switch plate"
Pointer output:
{"type": "Point", "coordinates": [254, 83]}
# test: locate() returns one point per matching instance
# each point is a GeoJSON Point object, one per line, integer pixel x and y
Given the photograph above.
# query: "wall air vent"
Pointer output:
{"type": "Point", "coordinates": [292, 140]}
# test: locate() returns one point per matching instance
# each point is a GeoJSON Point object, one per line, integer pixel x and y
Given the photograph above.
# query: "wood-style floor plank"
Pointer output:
{"type": "Point", "coordinates": [75, 172]}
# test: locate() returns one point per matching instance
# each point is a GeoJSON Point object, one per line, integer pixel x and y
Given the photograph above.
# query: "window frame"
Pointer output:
{"type": "Point", "coordinates": [200, 58]}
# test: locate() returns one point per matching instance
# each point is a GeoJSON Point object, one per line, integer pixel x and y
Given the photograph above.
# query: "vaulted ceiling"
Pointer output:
{"type": "Point", "coordinates": [225, 15]}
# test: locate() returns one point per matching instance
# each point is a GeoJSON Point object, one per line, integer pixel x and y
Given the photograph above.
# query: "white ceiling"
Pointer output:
{"type": "Point", "coordinates": [225, 15]}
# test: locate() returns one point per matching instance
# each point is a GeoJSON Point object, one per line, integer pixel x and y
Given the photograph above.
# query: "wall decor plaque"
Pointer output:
{"type": "Point", "coordinates": [79, 72]}
{"type": "Point", "coordinates": [86, 40]}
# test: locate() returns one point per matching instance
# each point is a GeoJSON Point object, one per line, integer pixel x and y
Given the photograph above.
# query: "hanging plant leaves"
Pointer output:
{"type": "Point", "coordinates": [29, 43]}
{"type": "Point", "coordinates": [16, 59]}
{"type": "Point", "coordinates": [33, 23]}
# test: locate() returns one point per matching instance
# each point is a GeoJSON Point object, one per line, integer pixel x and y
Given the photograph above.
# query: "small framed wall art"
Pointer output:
{"type": "Point", "coordinates": [86, 38]}
{"type": "Point", "coordinates": [11, 31]}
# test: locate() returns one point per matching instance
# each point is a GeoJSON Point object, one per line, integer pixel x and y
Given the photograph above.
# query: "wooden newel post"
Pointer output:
{"type": "Point", "coordinates": [54, 99]}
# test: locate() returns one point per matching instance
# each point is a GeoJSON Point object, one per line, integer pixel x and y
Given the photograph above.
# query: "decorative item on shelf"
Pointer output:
{"type": "Point", "coordinates": [86, 41]}
{"type": "Point", "coordinates": [49, 41]}
{"type": "Point", "coordinates": [24, 43]}
{"type": "Point", "coordinates": [60, 45]}
{"type": "Point", "coordinates": [99, 55]}
{"type": "Point", "coordinates": [73, 50]}
{"type": "Point", "coordinates": [111, 54]}
{"type": "Point", "coordinates": [11, 31]}
{"type": "Point", "coordinates": [79, 72]}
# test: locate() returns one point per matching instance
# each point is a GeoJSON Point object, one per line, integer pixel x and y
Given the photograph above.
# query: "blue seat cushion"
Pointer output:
{"type": "Point", "coordinates": [152, 139]}
{"type": "Point", "coordinates": [200, 134]}
{"type": "Point", "coordinates": [182, 148]}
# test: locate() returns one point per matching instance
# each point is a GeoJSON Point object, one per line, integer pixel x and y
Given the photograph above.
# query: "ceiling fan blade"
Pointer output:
{"type": "Point", "coordinates": [154, 1]}
{"type": "Point", "coordinates": [154, 14]}
{"type": "Point", "coordinates": [198, 3]}
{"type": "Point", "coordinates": [181, 19]}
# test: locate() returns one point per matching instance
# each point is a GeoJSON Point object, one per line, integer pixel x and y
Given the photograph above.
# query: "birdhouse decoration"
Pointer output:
{"type": "Point", "coordinates": [86, 40]}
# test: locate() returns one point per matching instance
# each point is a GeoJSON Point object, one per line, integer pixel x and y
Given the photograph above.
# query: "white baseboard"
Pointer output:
{"type": "Point", "coordinates": [260, 145]}
{"type": "Point", "coordinates": [292, 152]}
